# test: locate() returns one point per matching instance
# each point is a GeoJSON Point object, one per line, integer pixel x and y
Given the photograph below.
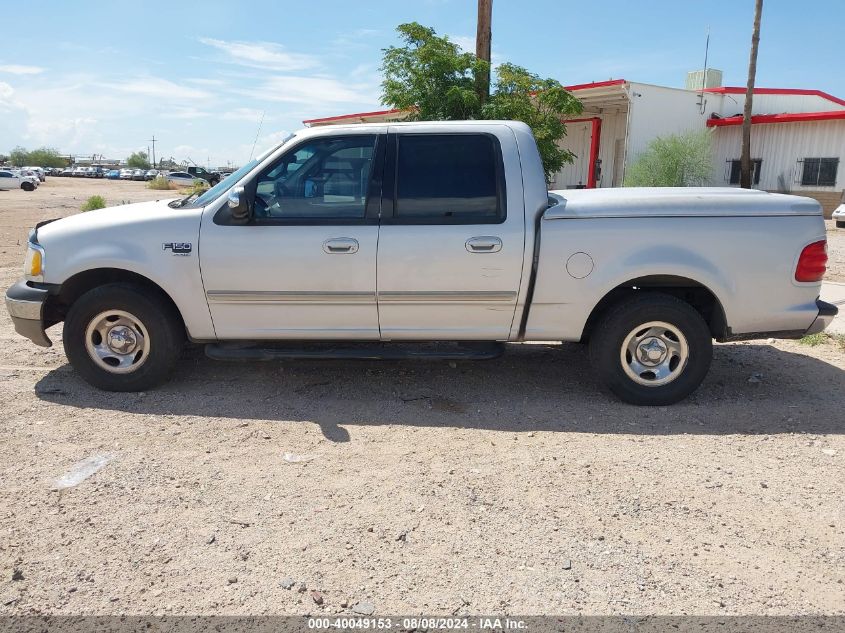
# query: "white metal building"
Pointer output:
{"type": "Point", "coordinates": [798, 136]}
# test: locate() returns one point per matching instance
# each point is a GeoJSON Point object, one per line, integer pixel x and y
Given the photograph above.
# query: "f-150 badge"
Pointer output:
{"type": "Point", "coordinates": [178, 248]}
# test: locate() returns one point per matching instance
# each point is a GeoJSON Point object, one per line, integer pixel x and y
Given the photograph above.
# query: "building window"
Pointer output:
{"type": "Point", "coordinates": [733, 177]}
{"type": "Point", "coordinates": [819, 172]}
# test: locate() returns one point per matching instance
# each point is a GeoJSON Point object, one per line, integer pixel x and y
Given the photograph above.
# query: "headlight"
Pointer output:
{"type": "Point", "coordinates": [33, 268]}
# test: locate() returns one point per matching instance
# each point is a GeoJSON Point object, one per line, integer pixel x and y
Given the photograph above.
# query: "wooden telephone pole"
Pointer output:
{"type": "Point", "coordinates": [483, 35]}
{"type": "Point", "coordinates": [745, 167]}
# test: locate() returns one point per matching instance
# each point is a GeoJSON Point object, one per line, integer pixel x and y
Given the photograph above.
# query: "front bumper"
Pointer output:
{"type": "Point", "coordinates": [839, 213]}
{"type": "Point", "coordinates": [25, 305]}
{"type": "Point", "coordinates": [827, 312]}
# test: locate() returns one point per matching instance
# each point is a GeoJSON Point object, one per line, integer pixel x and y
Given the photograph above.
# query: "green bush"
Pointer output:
{"type": "Point", "coordinates": [159, 182]}
{"type": "Point", "coordinates": [94, 202]}
{"type": "Point", "coordinates": [677, 160]}
{"type": "Point", "coordinates": [199, 186]}
{"type": "Point", "coordinates": [813, 339]}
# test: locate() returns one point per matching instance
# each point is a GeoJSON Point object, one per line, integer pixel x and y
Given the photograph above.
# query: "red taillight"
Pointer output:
{"type": "Point", "coordinates": [812, 263]}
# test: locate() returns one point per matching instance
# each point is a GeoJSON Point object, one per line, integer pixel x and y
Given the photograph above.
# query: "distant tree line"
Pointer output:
{"type": "Point", "coordinates": [138, 160]}
{"type": "Point", "coordinates": [50, 157]}
{"type": "Point", "coordinates": [41, 157]}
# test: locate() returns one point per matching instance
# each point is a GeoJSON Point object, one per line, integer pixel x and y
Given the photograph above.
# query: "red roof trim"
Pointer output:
{"type": "Point", "coordinates": [596, 84]}
{"type": "Point", "coordinates": [356, 115]}
{"type": "Point", "coordinates": [731, 90]}
{"type": "Point", "coordinates": [788, 117]}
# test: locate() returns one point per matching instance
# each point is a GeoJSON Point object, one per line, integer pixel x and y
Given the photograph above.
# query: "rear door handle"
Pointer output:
{"type": "Point", "coordinates": [484, 244]}
{"type": "Point", "coordinates": [340, 246]}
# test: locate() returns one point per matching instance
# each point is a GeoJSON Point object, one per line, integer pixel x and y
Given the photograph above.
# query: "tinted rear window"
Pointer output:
{"type": "Point", "coordinates": [449, 178]}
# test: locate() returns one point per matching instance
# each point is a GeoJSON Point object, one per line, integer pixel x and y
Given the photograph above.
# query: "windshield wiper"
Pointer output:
{"type": "Point", "coordinates": [175, 204]}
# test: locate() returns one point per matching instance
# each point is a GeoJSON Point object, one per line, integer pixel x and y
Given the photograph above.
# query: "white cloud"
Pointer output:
{"type": "Point", "coordinates": [180, 112]}
{"type": "Point", "coordinates": [159, 88]}
{"type": "Point", "coordinates": [467, 44]}
{"type": "Point", "coordinates": [313, 90]}
{"type": "Point", "coordinates": [18, 69]}
{"type": "Point", "coordinates": [245, 151]}
{"type": "Point", "coordinates": [243, 114]}
{"type": "Point", "coordinates": [202, 81]}
{"type": "Point", "coordinates": [267, 55]}
{"type": "Point", "coordinates": [7, 94]}
{"type": "Point", "coordinates": [189, 152]}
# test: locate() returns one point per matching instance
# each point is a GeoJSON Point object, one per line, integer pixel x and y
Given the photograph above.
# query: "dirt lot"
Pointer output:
{"type": "Point", "coordinates": [512, 486]}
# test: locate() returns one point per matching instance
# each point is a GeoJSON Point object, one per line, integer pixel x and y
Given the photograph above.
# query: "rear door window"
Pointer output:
{"type": "Point", "coordinates": [449, 179]}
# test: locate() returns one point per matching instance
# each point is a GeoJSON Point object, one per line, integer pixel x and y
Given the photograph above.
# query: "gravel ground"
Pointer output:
{"type": "Point", "coordinates": [512, 486]}
{"type": "Point", "coordinates": [835, 253]}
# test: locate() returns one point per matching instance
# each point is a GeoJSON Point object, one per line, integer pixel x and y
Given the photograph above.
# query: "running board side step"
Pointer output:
{"type": "Point", "coordinates": [354, 351]}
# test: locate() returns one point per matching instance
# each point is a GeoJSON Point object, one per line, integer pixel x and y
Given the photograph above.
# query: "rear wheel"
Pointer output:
{"type": "Point", "coordinates": [123, 337]}
{"type": "Point", "coordinates": [652, 350]}
{"type": "Point", "coordinates": [840, 225]}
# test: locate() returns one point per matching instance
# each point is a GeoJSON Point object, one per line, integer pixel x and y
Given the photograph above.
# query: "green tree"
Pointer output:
{"type": "Point", "coordinates": [138, 160]}
{"type": "Point", "coordinates": [46, 157]}
{"type": "Point", "coordinates": [541, 103]}
{"type": "Point", "coordinates": [19, 156]}
{"type": "Point", "coordinates": [432, 78]}
{"type": "Point", "coordinates": [677, 160]}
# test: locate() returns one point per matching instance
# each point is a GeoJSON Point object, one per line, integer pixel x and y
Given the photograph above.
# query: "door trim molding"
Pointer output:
{"type": "Point", "coordinates": [279, 296]}
{"type": "Point", "coordinates": [449, 296]}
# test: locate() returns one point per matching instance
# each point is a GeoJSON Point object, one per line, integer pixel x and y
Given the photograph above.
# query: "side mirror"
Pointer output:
{"type": "Point", "coordinates": [238, 205]}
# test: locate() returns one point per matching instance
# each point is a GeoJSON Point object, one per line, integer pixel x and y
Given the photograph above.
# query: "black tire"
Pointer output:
{"type": "Point", "coordinates": [27, 186]}
{"type": "Point", "coordinates": [622, 321]}
{"type": "Point", "coordinates": [152, 313]}
{"type": "Point", "coordinates": [840, 225]}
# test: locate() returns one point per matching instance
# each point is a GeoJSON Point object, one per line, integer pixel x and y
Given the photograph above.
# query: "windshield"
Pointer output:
{"type": "Point", "coordinates": [227, 183]}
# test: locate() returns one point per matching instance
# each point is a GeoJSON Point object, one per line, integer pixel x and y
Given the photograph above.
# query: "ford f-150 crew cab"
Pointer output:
{"type": "Point", "coordinates": [435, 233]}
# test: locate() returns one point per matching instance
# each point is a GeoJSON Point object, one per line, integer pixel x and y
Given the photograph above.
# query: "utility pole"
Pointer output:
{"type": "Point", "coordinates": [483, 37]}
{"type": "Point", "coordinates": [745, 167]}
{"type": "Point", "coordinates": [153, 141]}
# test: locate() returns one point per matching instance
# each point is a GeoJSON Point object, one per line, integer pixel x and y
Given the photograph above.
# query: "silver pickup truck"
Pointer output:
{"type": "Point", "coordinates": [418, 240]}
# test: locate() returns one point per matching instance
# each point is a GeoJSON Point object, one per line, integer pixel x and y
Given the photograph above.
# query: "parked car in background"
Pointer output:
{"type": "Point", "coordinates": [839, 214]}
{"type": "Point", "coordinates": [95, 172]}
{"type": "Point", "coordinates": [38, 171]}
{"type": "Point", "coordinates": [139, 174]}
{"type": "Point", "coordinates": [78, 172]}
{"type": "Point", "coordinates": [15, 180]}
{"type": "Point", "coordinates": [151, 173]}
{"type": "Point", "coordinates": [113, 174]}
{"type": "Point", "coordinates": [182, 178]}
{"type": "Point", "coordinates": [126, 174]}
{"type": "Point", "coordinates": [67, 171]}
{"type": "Point", "coordinates": [203, 174]}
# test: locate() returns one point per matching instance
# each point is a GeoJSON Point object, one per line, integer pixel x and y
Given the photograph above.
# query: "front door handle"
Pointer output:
{"type": "Point", "coordinates": [484, 244]}
{"type": "Point", "coordinates": [340, 246]}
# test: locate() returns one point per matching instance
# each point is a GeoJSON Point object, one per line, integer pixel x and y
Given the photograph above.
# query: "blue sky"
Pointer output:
{"type": "Point", "coordinates": [103, 77]}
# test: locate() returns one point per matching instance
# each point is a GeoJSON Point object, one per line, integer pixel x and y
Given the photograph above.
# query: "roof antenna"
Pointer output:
{"type": "Point", "coordinates": [260, 123]}
{"type": "Point", "coordinates": [702, 102]}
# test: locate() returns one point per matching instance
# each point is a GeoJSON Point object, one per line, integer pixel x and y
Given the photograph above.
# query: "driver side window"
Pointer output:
{"type": "Point", "coordinates": [323, 178]}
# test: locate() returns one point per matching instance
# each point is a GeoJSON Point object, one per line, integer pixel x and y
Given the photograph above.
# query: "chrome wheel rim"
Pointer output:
{"type": "Point", "coordinates": [654, 353]}
{"type": "Point", "coordinates": [117, 341]}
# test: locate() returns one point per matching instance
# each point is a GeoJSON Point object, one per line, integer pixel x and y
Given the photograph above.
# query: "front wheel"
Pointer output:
{"type": "Point", "coordinates": [27, 186]}
{"type": "Point", "coordinates": [652, 350]}
{"type": "Point", "coordinates": [123, 337]}
{"type": "Point", "coordinates": [840, 225]}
